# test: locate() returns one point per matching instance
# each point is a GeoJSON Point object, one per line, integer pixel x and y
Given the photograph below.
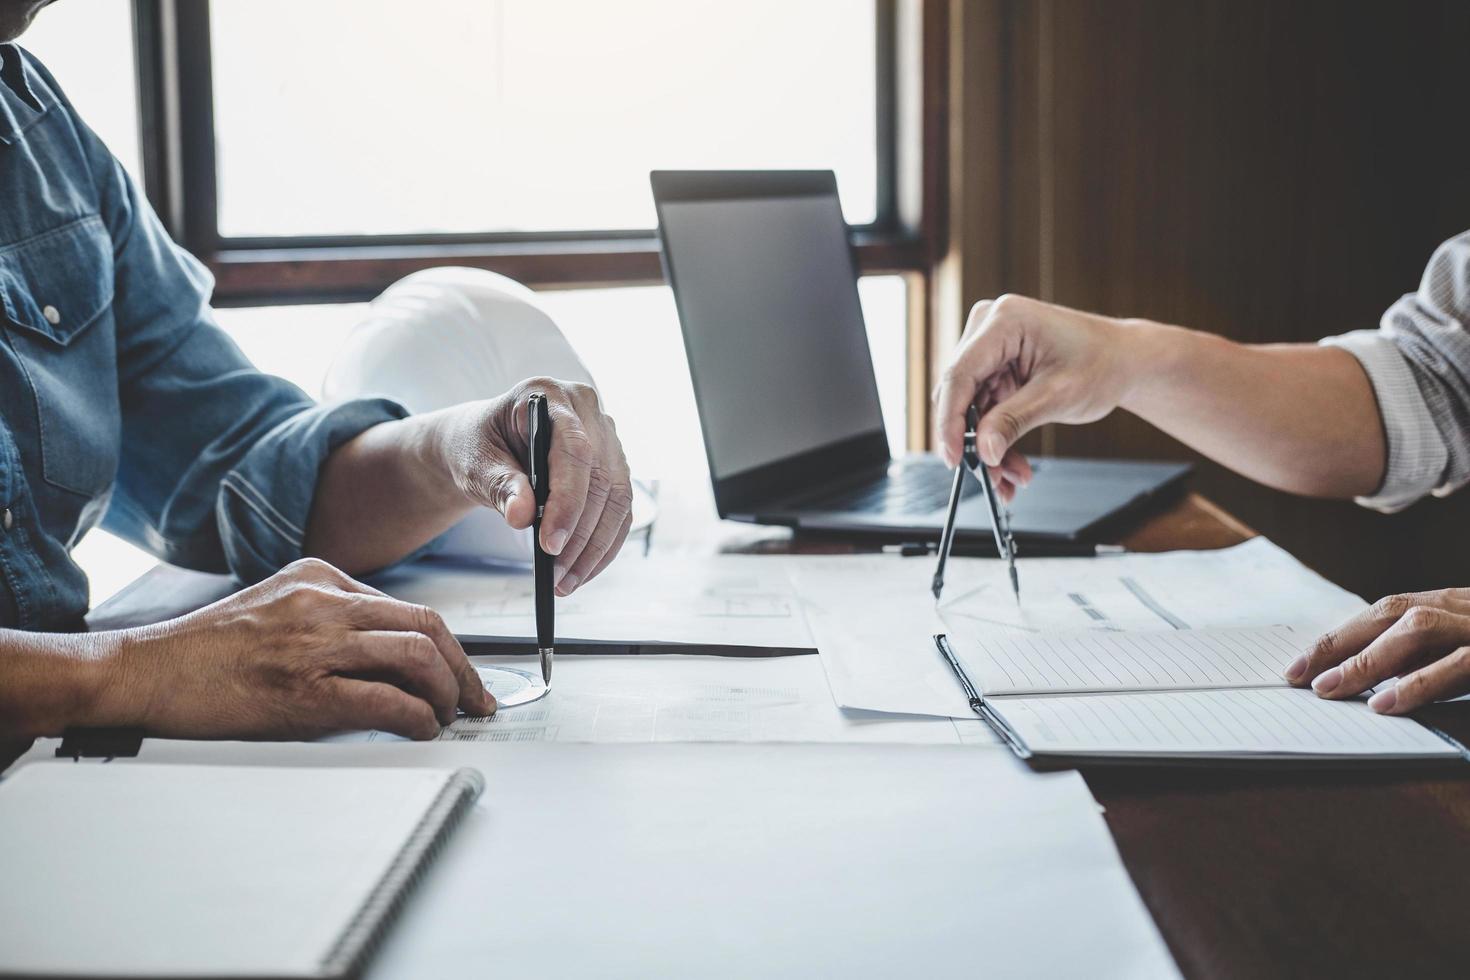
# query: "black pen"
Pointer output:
{"type": "Point", "coordinates": [539, 423]}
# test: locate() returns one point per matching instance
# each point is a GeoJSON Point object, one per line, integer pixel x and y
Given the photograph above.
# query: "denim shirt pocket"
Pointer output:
{"type": "Point", "coordinates": [56, 291]}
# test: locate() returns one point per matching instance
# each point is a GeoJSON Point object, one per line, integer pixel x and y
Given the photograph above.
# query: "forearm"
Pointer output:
{"type": "Point", "coordinates": [1297, 417]}
{"type": "Point", "coordinates": [384, 494]}
{"type": "Point", "coordinates": [52, 681]}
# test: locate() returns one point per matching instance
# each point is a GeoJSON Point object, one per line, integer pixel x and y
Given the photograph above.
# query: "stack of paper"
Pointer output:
{"type": "Point", "coordinates": [873, 617]}
{"type": "Point", "coordinates": [873, 620]}
{"type": "Point", "coordinates": [731, 600]}
{"type": "Point", "coordinates": [675, 698]}
{"type": "Point", "coordinates": [1174, 655]}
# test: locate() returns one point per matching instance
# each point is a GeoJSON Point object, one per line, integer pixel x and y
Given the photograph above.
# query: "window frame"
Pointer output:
{"type": "Point", "coordinates": [909, 236]}
{"type": "Point", "coordinates": [176, 110]}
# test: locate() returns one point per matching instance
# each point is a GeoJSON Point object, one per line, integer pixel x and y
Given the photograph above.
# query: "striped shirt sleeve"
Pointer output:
{"type": "Point", "coordinates": [1418, 361]}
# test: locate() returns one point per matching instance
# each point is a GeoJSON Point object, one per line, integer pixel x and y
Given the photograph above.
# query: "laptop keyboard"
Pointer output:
{"type": "Point", "coordinates": [915, 489]}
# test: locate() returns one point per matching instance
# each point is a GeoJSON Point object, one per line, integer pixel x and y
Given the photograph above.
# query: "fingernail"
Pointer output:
{"type": "Point", "coordinates": [995, 448]}
{"type": "Point", "coordinates": [1327, 682]}
{"type": "Point", "coordinates": [1296, 668]}
{"type": "Point", "coordinates": [568, 583]}
{"type": "Point", "coordinates": [556, 542]}
{"type": "Point", "coordinates": [1384, 700]}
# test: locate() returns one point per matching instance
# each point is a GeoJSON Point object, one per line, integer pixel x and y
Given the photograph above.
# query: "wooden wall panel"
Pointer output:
{"type": "Point", "coordinates": [1268, 171]}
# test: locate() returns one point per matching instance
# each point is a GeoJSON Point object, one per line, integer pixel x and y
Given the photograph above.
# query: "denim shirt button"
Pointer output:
{"type": "Point", "coordinates": [52, 315]}
{"type": "Point", "coordinates": [7, 519]}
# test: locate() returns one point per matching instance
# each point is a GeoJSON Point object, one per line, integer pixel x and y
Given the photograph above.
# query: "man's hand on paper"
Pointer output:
{"type": "Point", "coordinates": [1422, 639]}
{"type": "Point", "coordinates": [306, 652]}
{"type": "Point", "coordinates": [590, 509]}
{"type": "Point", "coordinates": [1024, 363]}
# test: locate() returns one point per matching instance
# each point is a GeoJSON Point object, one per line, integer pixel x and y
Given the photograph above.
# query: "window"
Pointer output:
{"type": "Point", "coordinates": [320, 151]}
{"type": "Point", "coordinates": [526, 115]}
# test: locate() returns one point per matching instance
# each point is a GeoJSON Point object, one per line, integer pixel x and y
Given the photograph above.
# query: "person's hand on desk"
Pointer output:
{"type": "Point", "coordinates": [412, 479]}
{"type": "Point", "coordinates": [306, 652]}
{"type": "Point", "coordinates": [1421, 639]}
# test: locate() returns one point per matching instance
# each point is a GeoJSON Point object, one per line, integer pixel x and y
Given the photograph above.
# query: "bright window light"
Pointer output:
{"type": "Point", "coordinates": [345, 117]}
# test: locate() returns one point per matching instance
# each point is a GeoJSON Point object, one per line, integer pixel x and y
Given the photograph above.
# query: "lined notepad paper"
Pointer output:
{"type": "Point", "coordinates": [1247, 723]}
{"type": "Point", "coordinates": [1169, 657]}
{"type": "Point", "coordinates": [1081, 661]}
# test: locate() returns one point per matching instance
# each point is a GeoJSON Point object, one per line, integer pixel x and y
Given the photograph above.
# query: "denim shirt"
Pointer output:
{"type": "Point", "coordinates": [121, 401]}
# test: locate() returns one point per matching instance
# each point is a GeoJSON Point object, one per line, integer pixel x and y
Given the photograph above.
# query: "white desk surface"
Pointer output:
{"type": "Point", "coordinates": [718, 860]}
{"type": "Point", "coordinates": [732, 860]}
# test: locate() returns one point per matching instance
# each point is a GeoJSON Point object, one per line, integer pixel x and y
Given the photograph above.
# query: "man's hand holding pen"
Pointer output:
{"type": "Point", "coordinates": [538, 465]}
{"type": "Point", "coordinates": [588, 508]}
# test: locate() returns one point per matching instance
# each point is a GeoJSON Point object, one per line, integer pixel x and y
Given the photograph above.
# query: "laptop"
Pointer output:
{"type": "Point", "coordinates": [765, 283]}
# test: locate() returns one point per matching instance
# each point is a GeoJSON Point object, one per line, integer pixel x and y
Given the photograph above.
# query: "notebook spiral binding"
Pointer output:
{"type": "Point", "coordinates": [366, 930]}
{"type": "Point", "coordinates": [977, 703]}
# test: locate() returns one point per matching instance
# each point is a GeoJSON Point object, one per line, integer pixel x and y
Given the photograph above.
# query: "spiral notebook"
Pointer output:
{"type": "Point", "coordinates": [1182, 695]}
{"type": "Point", "coordinates": [212, 871]}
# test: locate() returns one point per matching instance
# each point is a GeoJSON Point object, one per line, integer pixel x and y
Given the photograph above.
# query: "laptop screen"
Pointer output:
{"type": "Point", "coordinates": [773, 330]}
